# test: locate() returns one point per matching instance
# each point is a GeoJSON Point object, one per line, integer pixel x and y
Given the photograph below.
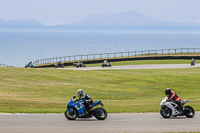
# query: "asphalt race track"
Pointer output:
{"type": "Point", "coordinates": [115, 123]}
{"type": "Point", "coordinates": [148, 66]}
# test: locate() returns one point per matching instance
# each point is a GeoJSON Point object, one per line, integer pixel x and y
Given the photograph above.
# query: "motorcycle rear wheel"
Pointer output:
{"type": "Point", "coordinates": [100, 113]}
{"type": "Point", "coordinates": [189, 111]}
{"type": "Point", "coordinates": [71, 115]}
{"type": "Point", "coordinates": [165, 112]}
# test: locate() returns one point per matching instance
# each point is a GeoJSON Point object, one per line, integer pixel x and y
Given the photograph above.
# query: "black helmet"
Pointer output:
{"type": "Point", "coordinates": [168, 91]}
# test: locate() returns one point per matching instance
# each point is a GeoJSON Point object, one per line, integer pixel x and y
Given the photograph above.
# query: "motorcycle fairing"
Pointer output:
{"type": "Point", "coordinates": [185, 101]}
{"type": "Point", "coordinates": [80, 107]}
{"type": "Point", "coordinates": [96, 103]}
{"type": "Point", "coordinates": [173, 108]}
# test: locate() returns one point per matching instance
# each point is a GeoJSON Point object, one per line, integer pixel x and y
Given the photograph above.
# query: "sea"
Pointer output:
{"type": "Point", "coordinates": [19, 48]}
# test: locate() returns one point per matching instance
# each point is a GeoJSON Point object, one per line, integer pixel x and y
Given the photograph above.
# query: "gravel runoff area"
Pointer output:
{"type": "Point", "coordinates": [115, 123]}
{"type": "Point", "coordinates": [149, 66]}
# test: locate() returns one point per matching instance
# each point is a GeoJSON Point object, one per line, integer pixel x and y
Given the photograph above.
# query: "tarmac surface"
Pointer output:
{"type": "Point", "coordinates": [115, 123]}
{"type": "Point", "coordinates": [148, 66]}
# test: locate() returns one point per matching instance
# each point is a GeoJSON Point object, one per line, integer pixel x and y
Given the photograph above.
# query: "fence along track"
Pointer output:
{"type": "Point", "coordinates": [119, 55]}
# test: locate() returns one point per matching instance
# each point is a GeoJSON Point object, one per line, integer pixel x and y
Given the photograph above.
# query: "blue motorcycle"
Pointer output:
{"type": "Point", "coordinates": [77, 109]}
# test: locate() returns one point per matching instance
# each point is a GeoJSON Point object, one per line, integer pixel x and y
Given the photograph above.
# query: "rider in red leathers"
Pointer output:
{"type": "Point", "coordinates": [172, 96]}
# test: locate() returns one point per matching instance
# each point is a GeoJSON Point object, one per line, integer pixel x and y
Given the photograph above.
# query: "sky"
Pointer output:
{"type": "Point", "coordinates": [55, 12]}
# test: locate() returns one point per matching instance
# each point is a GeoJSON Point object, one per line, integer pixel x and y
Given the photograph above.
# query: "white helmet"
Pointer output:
{"type": "Point", "coordinates": [80, 92]}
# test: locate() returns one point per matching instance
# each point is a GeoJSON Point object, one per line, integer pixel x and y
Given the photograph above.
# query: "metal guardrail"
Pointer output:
{"type": "Point", "coordinates": [161, 52]}
{"type": "Point", "coordinates": [3, 65]}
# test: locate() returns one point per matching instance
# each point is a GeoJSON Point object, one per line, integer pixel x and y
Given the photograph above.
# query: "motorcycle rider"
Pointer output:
{"type": "Point", "coordinates": [172, 96]}
{"type": "Point", "coordinates": [30, 64]}
{"type": "Point", "coordinates": [80, 63]}
{"type": "Point", "coordinates": [105, 62]}
{"type": "Point", "coordinates": [88, 100]}
{"type": "Point", "coordinates": [192, 61]}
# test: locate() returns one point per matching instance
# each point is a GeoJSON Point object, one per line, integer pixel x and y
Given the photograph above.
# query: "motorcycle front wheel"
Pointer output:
{"type": "Point", "coordinates": [189, 111]}
{"type": "Point", "coordinates": [71, 115]}
{"type": "Point", "coordinates": [100, 113]}
{"type": "Point", "coordinates": [165, 112]}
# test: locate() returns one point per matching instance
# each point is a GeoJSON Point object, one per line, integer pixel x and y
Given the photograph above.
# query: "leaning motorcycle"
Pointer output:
{"type": "Point", "coordinates": [59, 64]}
{"type": "Point", "coordinates": [106, 65]}
{"type": "Point", "coordinates": [169, 108]}
{"type": "Point", "coordinates": [76, 109]}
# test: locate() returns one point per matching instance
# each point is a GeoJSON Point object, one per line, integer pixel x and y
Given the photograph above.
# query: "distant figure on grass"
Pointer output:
{"type": "Point", "coordinates": [192, 62]}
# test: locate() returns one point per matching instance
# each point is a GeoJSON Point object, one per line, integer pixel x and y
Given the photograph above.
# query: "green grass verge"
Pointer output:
{"type": "Point", "coordinates": [48, 90]}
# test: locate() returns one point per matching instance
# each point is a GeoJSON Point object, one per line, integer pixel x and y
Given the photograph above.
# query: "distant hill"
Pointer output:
{"type": "Point", "coordinates": [18, 25]}
{"type": "Point", "coordinates": [121, 21]}
{"type": "Point", "coordinates": [130, 19]}
{"type": "Point", "coordinates": [126, 21]}
{"type": "Point", "coordinates": [21, 22]}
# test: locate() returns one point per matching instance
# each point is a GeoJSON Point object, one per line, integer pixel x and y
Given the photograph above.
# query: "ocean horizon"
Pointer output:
{"type": "Point", "coordinates": [19, 48]}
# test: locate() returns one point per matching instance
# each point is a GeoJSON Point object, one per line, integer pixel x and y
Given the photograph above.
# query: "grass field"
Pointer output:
{"type": "Point", "coordinates": [48, 90]}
